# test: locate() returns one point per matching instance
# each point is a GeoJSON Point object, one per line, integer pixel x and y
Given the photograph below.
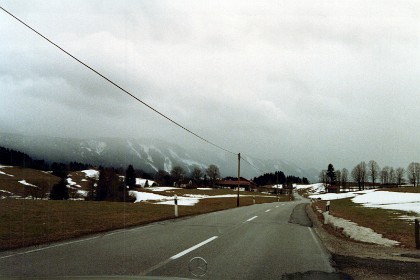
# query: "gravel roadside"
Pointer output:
{"type": "Point", "coordinates": [367, 261]}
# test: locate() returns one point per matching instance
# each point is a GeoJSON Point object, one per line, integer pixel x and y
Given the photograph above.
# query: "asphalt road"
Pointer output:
{"type": "Point", "coordinates": [254, 242]}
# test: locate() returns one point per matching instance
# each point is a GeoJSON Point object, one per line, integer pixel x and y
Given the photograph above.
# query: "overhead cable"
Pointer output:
{"type": "Point", "coordinates": [118, 86]}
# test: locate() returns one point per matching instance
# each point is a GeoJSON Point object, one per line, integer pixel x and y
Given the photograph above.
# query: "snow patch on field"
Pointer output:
{"type": "Point", "coordinates": [182, 201]}
{"type": "Point", "coordinates": [144, 196]}
{"type": "Point", "coordinates": [1, 172]}
{"type": "Point", "coordinates": [162, 189]}
{"type": "Point", "coordinates": [4, 191]}
{"type": "Point", "coordinates": [359, 233]}
{"type": "Point", "coordinates": [5, 166]}
{"type": "Point", "coordinates": [23, 182]}
{"type": "Point", "coordinates": [91, 173]}
{"type": "Point", "coordinates": [82, 193]}
{"type": "Point", "coordinates": [70, 182]}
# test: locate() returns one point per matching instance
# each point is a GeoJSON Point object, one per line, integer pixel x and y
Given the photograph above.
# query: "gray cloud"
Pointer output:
{"type": "Point", "coordinates": [309, 82]}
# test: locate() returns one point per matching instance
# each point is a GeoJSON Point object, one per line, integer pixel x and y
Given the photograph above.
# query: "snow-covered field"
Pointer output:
{"type": "Point", "coordinates": [313, 188]}
{"type": "Point", "coordinates": [185, 200]}
{"type": "Point", "coordinates": [409, 202]}
{"type": "Point", "coordinates": [162, 199]}
{"type": "Point", "coordinates": [334, 196]}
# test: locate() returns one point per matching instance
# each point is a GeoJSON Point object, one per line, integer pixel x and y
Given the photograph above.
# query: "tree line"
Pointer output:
{"type": "Point", "coordinates": [370, 174]}
{"type": "Point", "coordinates": [196, 177]}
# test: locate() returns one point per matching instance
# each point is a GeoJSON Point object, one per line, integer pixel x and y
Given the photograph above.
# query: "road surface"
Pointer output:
{"type": "Point", "coordinates": [253, 242]}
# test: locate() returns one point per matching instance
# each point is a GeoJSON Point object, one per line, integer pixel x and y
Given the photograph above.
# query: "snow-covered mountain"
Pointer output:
{"type": "Point", "coordinates": [147, 154]}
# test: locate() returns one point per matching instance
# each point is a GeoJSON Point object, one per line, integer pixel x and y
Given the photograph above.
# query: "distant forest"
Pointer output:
{"type": "Point", "coordinates": [16, 158]}
{"type": "Point", "coordinates": [280, 178]}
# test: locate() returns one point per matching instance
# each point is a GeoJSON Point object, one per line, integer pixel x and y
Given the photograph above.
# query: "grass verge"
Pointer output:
{"type": "Point", "coordinates": [32, 222]}
{"type": "Point", "coordinates": [385, 222]}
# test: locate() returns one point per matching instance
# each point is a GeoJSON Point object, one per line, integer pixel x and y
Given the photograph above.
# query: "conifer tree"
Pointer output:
{"type": "Point", "coordinates": [59, 191]}
{"type": "Point", "coordinates": [130, 177]}
{"type": "Point", "coordinates": [331, 174]}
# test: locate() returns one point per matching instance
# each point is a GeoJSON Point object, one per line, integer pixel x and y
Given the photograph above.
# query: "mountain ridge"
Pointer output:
{"type": "Point", "coordinates": [148, 154]}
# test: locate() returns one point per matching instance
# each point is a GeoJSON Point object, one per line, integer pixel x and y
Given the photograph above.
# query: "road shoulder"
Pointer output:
{"type": "Point", "coordinates": [366, 261]}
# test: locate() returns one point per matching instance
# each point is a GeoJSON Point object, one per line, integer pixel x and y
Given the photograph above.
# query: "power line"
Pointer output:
{"type": "Point", "coordinates": [116, 85]}
{"type": "Point", "coordinates": [252, 165]}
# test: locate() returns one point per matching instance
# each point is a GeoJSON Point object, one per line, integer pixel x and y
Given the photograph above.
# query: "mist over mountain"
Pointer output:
{"type": "Point", "coordinates": [144, 153]}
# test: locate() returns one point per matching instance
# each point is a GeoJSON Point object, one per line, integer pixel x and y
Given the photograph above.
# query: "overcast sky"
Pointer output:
{"type": "Point", "coordinates": [311, 82]}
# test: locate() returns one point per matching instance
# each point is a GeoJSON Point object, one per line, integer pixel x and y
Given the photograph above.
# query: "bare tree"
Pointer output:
{"type": "Point", "coordinates": [385, 175]}
{"type": "Point", "coordinates": [177, 174]}
{"type": "Point", "coordinates": [373, 169]}
{"type": "Point", "coordinates": [413, 173]}
{"type": "Point", "coordinates": [392, 176]}
{"type": "Point", "coordinates": [213, 172]}
{"type": "Point", "coordinates": [196, 175]}
{"type": "Point", "coordinates": [364, 173]}
{"type": "Point", "coordinates": [338, 178]}
{"type": "Point", "coordinates": [399, 175]}
{"type": "Point", "coordinates": [359, 175]}
{"type": "Point", "coordinates": [323, 178]}
{"type": "Point", "coordinates": [91, 186]}
{"type": "Point", "coordinates": [344, 177]}
{"type": "Point", "coordinates": [162, 177]}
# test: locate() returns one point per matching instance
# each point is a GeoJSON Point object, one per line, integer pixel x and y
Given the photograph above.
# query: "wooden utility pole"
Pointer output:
{"type": "Point", "coordinates": [239, 178]}
{"type": "Point", "coordinates": [277, 186]}
{"type": "Point", "coordinates": [416, 233]}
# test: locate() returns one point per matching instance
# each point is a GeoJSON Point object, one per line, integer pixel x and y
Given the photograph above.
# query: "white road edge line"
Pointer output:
{"type": "Point", "coordinates": [250, 219]}
{"type": "Point", "coordinates": [76, 241]}
{"type": "Point", "coordinates": [193, 248]}
{"type": "Point", "coordinates": [49, 247]}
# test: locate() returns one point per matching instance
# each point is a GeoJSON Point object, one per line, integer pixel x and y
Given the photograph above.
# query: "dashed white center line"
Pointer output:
{"type": "Point", "coordinates": [193, 248]}
{"type": "Point", "coordinates": [250, 219]}
{"type": "Point", "coordinates": [267, 210]}
{"type": "Point", "coordinates": [277, 206]}
{"type": "Point", "coordinates": [178, 255]}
